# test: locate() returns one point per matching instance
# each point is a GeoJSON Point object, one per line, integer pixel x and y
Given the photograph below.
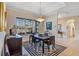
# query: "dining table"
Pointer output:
{"type": "Point", "coordinates": [42, 38]}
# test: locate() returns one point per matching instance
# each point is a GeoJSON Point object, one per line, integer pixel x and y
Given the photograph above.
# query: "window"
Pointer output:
{"type": "Point", "coordinates": [27, 23]}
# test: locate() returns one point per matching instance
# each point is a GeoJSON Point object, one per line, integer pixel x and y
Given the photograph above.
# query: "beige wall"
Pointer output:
{"type": "Point", "coordinates": [41, 28]}
{"type": "Point", "coordinates": [77, 28]}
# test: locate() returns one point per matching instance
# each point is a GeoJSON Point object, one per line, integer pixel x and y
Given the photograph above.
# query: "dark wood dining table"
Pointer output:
{"type": "Point", "coordinates": [42, 38]}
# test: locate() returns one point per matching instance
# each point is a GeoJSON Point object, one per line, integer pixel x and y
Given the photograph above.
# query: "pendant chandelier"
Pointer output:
{"type": "Point", "coordinates": [41, 18]}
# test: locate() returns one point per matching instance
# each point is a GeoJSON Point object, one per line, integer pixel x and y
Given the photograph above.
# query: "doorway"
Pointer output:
{"type": "Point", "coordinates": [71, 28]}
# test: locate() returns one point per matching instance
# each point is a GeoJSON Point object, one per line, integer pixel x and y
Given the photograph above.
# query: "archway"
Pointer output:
{"type": "Point", "coordinates": [70, 28]}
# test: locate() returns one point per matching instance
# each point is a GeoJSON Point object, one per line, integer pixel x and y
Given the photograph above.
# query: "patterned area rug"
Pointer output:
{"type": "Point", "coordinates": [53, 52]}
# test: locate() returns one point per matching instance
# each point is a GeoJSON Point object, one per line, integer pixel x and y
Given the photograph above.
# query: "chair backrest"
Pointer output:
{"type": "Point", "coordinates": [32, 38]}
{"type": "Point", "coordinates": [46, 34]}
{"type": "Point", "coordinates": [52, 39]}
{"type": "Point", "coordinates": [35, 39]}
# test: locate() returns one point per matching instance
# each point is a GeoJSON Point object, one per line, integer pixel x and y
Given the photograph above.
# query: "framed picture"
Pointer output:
{"type": "Point", "coordinates": [49, 25]}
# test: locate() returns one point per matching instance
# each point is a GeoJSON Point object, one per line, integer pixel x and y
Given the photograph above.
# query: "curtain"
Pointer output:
{"type": "Point", "coordinates": [2, 17]}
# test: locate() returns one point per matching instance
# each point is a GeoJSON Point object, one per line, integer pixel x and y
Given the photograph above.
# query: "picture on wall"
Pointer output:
{"type": "Point", "coordinates": [49, 25]}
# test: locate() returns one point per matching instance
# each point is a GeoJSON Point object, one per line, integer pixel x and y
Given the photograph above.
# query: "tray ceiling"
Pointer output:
{"type": "Point", "coordinates": [47, 8]}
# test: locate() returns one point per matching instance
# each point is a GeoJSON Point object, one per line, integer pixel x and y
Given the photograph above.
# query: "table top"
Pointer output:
{"type": "Point", "coordinates": [43, 37]}
{"type": "Point", "coordinates": [40, 37]}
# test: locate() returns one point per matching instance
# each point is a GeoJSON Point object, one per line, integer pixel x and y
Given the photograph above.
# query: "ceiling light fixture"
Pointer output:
{"type": "Point", "coordinates": [41, 18]}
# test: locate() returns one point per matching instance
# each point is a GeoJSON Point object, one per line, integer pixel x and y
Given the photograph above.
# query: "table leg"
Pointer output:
{"type": "Point", "coordinates": [29, 39]}
{"type": "Point", "coordinates": [54, 45]}
{"type": "Point", "coordinates": [43, 48]}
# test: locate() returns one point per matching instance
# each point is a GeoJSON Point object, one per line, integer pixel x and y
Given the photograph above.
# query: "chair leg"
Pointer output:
{"type": "Point", "coordinates": [36, 46]}
{"type": "Point", "coordinates": [48, 47]}
{"type": "Point", "coordinates": [53, 47]}
{"type": "Point", "coordinates": [40, 44]}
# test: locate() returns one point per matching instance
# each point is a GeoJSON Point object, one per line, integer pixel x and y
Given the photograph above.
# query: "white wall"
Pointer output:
{"type": "Point", "coordinates": [52, 19]}
{"type": "Point", "coordinates": [77, 28]}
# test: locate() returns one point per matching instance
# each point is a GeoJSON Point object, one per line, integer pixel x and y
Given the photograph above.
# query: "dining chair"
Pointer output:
{"type": "Point", "coordinates": [31, 38]}
{"type": "Point", "coordinates": [36, 42]}
{"type": "Point", "coordinates": [50, 41]}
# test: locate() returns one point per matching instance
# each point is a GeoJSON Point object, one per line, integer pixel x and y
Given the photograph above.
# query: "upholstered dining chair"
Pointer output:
{"type": "Point", "coordinates": [50, 41]}
{"type": "Point", "coordinates": [36, 42]}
